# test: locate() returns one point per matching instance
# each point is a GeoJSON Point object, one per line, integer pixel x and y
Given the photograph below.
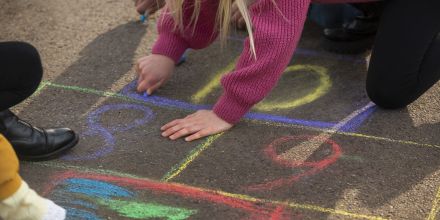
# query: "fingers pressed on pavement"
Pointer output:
{"type": "Point", "coordinates": [198, 135]}
{"type": "Point", "coordinates": [170, 124]}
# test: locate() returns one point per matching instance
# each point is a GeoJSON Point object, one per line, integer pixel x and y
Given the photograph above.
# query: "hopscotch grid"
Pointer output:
{"type": "Point", "coordinates": [278, 124]}
{"type": "Point", "coordinates": [178, 168]}
{"type": "Point", "coordinates": [244, 197]}
{"type": "Point", "coordinates": [351, 134]}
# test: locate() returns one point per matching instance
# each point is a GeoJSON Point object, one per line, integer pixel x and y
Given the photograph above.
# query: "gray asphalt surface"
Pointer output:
{"type": "Point", "coordinates": [330, 156]}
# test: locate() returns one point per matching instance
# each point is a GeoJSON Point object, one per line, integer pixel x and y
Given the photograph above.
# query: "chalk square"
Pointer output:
{"type": "Point", "coordinates": [368, 177]}
{"type": "Point", "coordinates": [115, 134]}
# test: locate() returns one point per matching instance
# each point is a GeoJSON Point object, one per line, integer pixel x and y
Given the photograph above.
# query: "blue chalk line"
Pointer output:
{"type": "Point", "coordinates": [144, 17]}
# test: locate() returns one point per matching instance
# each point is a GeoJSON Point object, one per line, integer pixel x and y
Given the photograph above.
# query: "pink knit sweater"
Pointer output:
{"type": "Point", "coordinates": [277, 29]}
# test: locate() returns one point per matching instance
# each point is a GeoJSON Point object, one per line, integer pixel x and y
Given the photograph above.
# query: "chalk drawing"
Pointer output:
{"type": "Point", "coordinates": [262, 119]}
{"type": "Point", "coordinates": [113, 198]}
{"type": "Point", "coordinates": [40, 88]}
{"type": "Point", "coordinates": [324, 84]}
{"type": "Point", "coordinates": [280, 213]}
{"type": "Point", "coordinates": [75, 213]}
{"type": "Point", "coordinates": [435, 207]}
{"type": "Point", "coordinates": [178, 168]}
{"type": "Point", "coordinates": [129, 94]}
{"type": "Point", "coordinates": [183, 58]}
{"type": "Point", "coordinates": [92, 190]}
{"type": "Point", "coordinates": [137, 210]}
{"type": "Point", "coordinates": [95, 128]}
{"type": "Point", "coordinates": [271, 123]}
{"type": "Point", "coordinates": [348, 134]}
{"type": "Point", "coordinates": [315, 167]}
{"type": "Point", "coordinates": [258, 208]}
{"type": "Point", "coordinates": [130, 91]}
{"type": "Point", "coordinates": [305, 149]}
{"type": "Point", "coordinates": [213, 84]}
{"type": "Point", "coordinates": [319, 91]}
{"type": "Point", "coordinates": [352, 158]}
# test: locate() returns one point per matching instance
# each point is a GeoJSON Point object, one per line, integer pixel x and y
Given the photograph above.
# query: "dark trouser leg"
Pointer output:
{"type": "Point", "coordinates": [406, 57]}
{"type": "Point", "coordinates": [20, 72]}
{"type": "Point", "coordinates": [20, 75]}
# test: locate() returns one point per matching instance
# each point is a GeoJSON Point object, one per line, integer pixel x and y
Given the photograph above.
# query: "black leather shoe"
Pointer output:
{"type": "Point", "coordinates": [354, 37]}
{"type": "Point", "coordinates": [33, 143]}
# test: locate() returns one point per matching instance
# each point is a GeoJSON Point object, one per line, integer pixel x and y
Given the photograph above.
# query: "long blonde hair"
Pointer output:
{"type": "Point", "coordinates": [223, 17]}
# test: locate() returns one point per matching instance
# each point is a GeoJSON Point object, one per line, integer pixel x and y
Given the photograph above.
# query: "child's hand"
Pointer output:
{"type": "Point", "coordinates": [195, 126]}
{"type": "Point", "coordinates": [153, 71]}
{"type": "Point", "coordinates": [150, 6]}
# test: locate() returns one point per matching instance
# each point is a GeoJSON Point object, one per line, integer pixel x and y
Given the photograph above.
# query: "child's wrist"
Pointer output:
{"type": "Point", "coordinates": [229, 109]}
{"type": "Point", "coordinates": [165, 58]}
{"type": "Point", "coordinates": [170, 46]}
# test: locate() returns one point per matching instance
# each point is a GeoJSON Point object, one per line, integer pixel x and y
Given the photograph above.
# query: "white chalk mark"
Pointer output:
{"type": "Point", "coordinates": [304, 150]}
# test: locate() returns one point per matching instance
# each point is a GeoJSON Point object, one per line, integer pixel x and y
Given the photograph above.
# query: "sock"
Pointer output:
{"type": "Point", "coordinates": [54, 212]}
{"type": "Point", "coordinates": [26, 204]}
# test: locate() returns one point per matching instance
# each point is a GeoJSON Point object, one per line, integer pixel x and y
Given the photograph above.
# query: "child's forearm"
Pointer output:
{"type": "Point", "coordinates": [172, 42]}
{"type": "Point", "coordinates": [277, 30]}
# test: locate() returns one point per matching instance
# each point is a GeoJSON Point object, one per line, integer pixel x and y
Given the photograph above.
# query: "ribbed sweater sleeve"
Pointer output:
{"type": "Point", "coordinates": [173, 42]}
{"type": "Point", "coordinates": [277, 29]}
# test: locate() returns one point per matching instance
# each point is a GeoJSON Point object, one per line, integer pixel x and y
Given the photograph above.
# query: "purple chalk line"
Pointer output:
{"type": "Point", "coordinates": [357, 121]}
{"type": "Point", "coordinates": [95, 128]}
{"type": "Point", "coordinates": [129, 91]}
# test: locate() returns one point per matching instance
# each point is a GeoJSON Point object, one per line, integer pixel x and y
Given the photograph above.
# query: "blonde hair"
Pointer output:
{"type": "Point", "coordinates": [223, 17]}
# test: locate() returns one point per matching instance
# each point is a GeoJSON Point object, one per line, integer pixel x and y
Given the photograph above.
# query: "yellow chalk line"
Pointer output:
{"type": "Point", "coordinates": [213, 84]}
{"type": "Point", "coordinates": [178, 168]}
{"type": "Point", "coordinates": [435, 206]}
{"type": "Point", "coordinates": [219, 192]}
{"type": "Point", "coordinates": [323, 87]}
{"type": "Point", "coordinates": [123, 97]}
{"type": "Point", "coordinates": [297, 205]}
{"type": "Point", "coordinates": [42, 86]}
{"type": "Point", "coordinates": [347, 134]}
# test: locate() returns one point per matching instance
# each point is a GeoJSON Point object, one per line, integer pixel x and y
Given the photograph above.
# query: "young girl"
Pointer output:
{"type": "Point", "coordinates": [274, 28]}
